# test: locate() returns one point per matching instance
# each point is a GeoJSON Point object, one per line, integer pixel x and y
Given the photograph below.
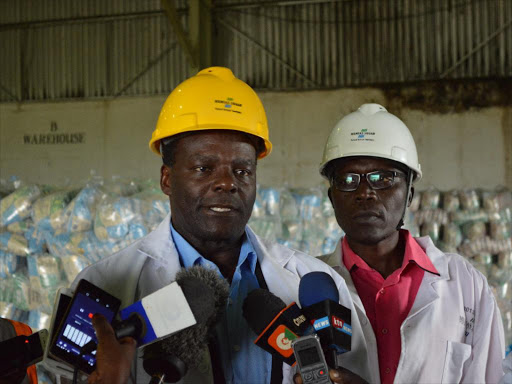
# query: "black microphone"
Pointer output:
{"type": "Point", "coordinates": [275, 323]}
{"type": "Point", "coordinates": [169, 359]}
{"type": "Point", "coordinates": [319, 299]}
{"type": "Point", "coordinates": [20, 352]}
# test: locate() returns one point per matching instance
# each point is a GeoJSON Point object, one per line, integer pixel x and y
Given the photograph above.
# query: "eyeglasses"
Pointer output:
{"type": "Point", "coordinates": [348, 182]}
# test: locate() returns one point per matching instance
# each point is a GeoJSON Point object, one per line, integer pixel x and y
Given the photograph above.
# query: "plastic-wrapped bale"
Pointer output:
{"type": "Point", "coordinates": [451, 237]}
{"type": "Point", "coordinates": [411, 224]}
{"type": "Point", "coordinates": [20, 286]}
{"type": "Point", "coordinates": [154, 207]}
{"type": "Point", "coordinates": [313, 236]}
{"type": "Point", "coordinates": [45, 278]}
{"type": "Point", "coordinates": [72, 265]}
{"type": "Point", "coordinates": [80, 213]}
{"type": "Point", "coordinates": [430, 198]}
{"type": "Point", "coordinates": [20, 227]}
{"type": "Point", "coordinates": [17, 206]}
{"type": "Point", "coordinates": [113, 216]}
{"type": "Point", "coordinates": [269, 227]}
{"type": "Point", "coordinates": [462, 217]}
{"type": "Point", "coordinates": [504, 260]}
{"type": "Point", "coordinates": [287, 205]}
{"type": "Point", "coordinates": [14, 243]}
{"type": "Point", "coordinates": [416, 202]}
{"type": "Point", "coordinates": [500, 230]}
{"type": "Point", "coordinates": [309, 203]}
{"type": "Point", "coordinates": [121, 187]}
{"type": "Point", "coordinates": [469, 199]}
{"type": "Point", "coordinates": [271, 198]}
{"type": "Point", "coordinates": [8, 264]}
{"type": "Point", "coordinates": [38, 320]}
{"type": "Point", "coordinates": [292, 230]}
{"type": "Point", "coordinates": [47, 211]}
{"type": "Point", "coordinates": [431, 229]}
{"type": "Point", "coordinates": [258, 209]}
{"type": "Point", "coordinates": [451, 202]}
{"type": "Point", "coordinates": [474, 230]}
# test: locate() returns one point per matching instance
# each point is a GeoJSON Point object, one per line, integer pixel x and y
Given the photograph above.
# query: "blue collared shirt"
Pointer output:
{"type": "Point", "coordinates": [243, 361]}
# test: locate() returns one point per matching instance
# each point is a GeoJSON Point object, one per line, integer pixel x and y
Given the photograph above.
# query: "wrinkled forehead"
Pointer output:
{"type": "Point", "coordinates": [364, 164]}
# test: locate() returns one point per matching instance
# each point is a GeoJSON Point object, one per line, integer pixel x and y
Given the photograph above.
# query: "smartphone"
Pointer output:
{"type": "Point", "coordinates": [76, 330]}
{"type": "Point", "coordinates": [310, 358]}
{"type": "Point", "coordinates": [60, 307]}
{"type": "Point", "coordinates": [21, 352]}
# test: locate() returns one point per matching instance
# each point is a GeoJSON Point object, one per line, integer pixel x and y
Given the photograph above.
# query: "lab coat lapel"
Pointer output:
{"type": "Point", "coordinates": [163, 260]}
{"type": "Point", "coordinates": [427, 294]}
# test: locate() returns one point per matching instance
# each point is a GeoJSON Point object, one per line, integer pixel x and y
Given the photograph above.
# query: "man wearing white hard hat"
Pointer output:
{"type": "Point", "coordinates": [425, 316]}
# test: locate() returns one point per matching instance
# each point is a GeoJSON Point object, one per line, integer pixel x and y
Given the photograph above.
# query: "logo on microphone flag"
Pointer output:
{"type": "Point", "coordinates": [281, 340]}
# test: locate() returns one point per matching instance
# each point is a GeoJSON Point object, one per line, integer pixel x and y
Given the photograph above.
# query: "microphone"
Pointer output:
{"type": "Point", "coordinates": [276, 323]}
{"type": "Point", "coordinates": [319, 299]}
{"type": "Point", "coordinates": [20, 352]}
{"type": "Point", "coordinates": [168, 360]}
{"type": "Point", "coordinates": [172, 308]}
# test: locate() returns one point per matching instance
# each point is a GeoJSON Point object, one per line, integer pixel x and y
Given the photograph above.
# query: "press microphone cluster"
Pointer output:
{"type": "Point", "coordinates": [277, 324]}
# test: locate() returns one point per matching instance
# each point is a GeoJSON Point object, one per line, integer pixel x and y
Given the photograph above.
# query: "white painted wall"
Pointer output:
{"type": "Point", "coordinates": [456, 150]}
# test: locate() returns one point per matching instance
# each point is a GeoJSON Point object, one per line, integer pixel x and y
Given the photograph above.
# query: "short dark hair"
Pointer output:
{"type": "Point", "coordinates": [168, 145]}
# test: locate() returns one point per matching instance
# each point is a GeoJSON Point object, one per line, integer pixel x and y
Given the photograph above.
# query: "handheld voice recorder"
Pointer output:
{"type": "Point", "coordinates": [310, 357]}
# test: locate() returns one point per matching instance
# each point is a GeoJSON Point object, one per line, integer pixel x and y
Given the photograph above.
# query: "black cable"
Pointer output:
{"type": "Point", "coordinates": [75, 376]}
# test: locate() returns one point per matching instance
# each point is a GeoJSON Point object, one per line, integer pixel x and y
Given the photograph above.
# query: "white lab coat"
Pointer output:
{"type": "Point", "coordinates": [152, 263]}
{"type": "Point", "coordinates": [435, 346]}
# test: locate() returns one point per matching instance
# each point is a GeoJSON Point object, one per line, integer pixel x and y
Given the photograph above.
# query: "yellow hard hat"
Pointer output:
{"type": "Point", "coordinates": [212, 99]}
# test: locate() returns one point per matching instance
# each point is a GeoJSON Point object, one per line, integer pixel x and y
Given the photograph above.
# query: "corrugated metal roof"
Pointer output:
{"type": "Point", "coordinates": [59, 49]}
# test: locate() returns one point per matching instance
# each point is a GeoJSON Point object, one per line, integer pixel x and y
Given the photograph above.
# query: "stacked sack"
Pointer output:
{"type": "Point", "coordinates": [49, 234]}
{"type": "Point", "coordinates": [301, 219]}
{"type": "Point", "coordinates": [476, 224]}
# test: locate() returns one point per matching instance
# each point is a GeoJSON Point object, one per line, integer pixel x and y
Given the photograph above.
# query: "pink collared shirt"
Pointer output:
{"type": "Point", "coordinates": [388, 301]}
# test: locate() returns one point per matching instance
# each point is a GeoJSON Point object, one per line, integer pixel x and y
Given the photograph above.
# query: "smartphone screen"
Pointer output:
{"type": "Point", "coordinates": [76, 329]}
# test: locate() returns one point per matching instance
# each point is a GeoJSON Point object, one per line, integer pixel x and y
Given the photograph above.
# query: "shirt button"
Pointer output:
{"type": "Point", "coordinates": [382, 291]}
{"type": "Point", "coordinates": [384, 331]}
{"type": "Point", "coordinates": [387, 370]}
{"type": "Point", "coordinates": [236, 348]}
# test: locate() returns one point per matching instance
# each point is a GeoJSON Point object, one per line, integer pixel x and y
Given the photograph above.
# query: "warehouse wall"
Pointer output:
{"type": "Point", "coordinates": [62, 142]}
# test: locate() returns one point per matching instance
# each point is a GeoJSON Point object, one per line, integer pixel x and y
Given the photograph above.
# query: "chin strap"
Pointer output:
{"type": "Point", "coordinates": [409, 183]}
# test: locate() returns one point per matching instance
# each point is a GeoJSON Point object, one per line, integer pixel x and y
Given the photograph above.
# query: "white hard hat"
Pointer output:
{"type": "Point", "coordinates": [372, 131]}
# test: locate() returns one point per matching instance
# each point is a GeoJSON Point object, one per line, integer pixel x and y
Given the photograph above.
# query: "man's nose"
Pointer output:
{"type": "Point", "coordinates": [225, 181]}
{"type": "Point", "coordinates": [364, 191]}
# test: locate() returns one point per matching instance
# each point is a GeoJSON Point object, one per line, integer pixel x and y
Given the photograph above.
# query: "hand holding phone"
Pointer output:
{"type": "Point", "coordinates": [77, 329]}
{"type": "Point", "coordinates": [310, 358]}
{"type": "Point", "coordinates": [114, 357]}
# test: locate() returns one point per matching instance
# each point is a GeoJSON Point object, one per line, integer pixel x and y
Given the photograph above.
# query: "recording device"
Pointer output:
{"type": "Point", "coordinates": [310, 358]}
{"type": "Point", "coordinates": [319, 298]}
{"type": "Point", "coordinates": [276, 323]}
{"type": "Point", "coordinates": [76, 329]}
{"type": "Point", "coordinates": [20, 352]}
{"type": "Point", "coordinates": [169, 359]}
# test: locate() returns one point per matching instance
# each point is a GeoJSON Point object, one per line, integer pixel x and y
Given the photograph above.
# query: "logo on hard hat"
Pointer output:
{"type": "Point", "coordinates": [362, 135]}
{"type": "Point", "coordinates": [228, 104]}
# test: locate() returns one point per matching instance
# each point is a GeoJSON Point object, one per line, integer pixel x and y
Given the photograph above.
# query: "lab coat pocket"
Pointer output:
{"type": "Point", "coordinates": [456, 355]}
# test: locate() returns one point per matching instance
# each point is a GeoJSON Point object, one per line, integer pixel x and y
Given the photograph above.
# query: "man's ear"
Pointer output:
{"type": "Point", "coordinates": [165, 179]}
{"type": "Point", "coordinates": [410, 196]}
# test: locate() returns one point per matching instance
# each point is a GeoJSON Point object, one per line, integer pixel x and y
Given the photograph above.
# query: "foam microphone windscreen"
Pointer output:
{"type": "Point", "coordinates": [218, 285]}
{"type": "Point", "coordinates": [188, 344]}
{"type": "Point", "coordinates": [260, 307]}
{"type": "Point", "coordinates": [317, 286]}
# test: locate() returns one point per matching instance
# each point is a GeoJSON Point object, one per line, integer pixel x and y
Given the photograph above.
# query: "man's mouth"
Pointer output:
{"type": "Point", "coordinates": [220, 209]}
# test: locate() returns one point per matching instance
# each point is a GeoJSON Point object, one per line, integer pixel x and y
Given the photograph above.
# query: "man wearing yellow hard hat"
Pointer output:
{"type": "Point", "coordinates": [210, 133]}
